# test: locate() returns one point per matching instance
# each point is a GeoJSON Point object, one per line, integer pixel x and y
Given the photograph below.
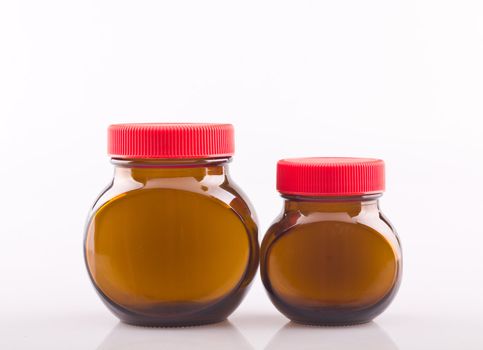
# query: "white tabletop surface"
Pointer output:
{"type": "Point", "coordinates": [70, 316]}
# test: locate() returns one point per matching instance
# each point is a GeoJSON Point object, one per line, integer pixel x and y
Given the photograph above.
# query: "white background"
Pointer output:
{"type": "Point", "coordinates": [400, 80]}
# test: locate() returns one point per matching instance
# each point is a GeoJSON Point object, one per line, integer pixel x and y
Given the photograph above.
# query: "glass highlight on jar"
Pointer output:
{"type": "Point", "coordinates": [331, 257]}
{"type": "Point", "coordinates": [172, 241]}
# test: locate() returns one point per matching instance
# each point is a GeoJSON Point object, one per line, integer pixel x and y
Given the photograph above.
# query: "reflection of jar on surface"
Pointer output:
{"type": "Point", "coordinates": [171, 241]}
{"type": "Point", "coordinates": [368, 336]}
{"type": "Point", "coordinates": [331, 257]}
{"type": "Point", "coordinates": [221, 336]}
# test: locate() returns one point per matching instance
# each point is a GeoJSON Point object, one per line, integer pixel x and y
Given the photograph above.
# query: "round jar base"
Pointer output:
{"type": "Point", "coordinates": [333, 316]}
{"type": "Point", "coordinates": [154, 324]}
{"type": "Point", "coordinates": [178, 315]}
{"type": "Point", "coordinates": [330, 324]}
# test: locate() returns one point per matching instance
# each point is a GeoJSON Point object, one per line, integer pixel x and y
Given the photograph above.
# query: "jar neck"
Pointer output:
{"type": "Point", "coordinates": [142, 169]}
{"type": "Point", "coordinates": [349, 204]}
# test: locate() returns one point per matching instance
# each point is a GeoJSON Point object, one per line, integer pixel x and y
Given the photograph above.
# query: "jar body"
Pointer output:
{"type": "Point", "coordinates": [171, 243]}
{"type": "Point", "coordinates": [331, 261]}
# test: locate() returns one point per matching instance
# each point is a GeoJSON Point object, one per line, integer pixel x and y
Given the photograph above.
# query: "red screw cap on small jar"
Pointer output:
{"type": "Point", "coordinates": [330, 176]}
{"type": "Point", "coordinates": [170, 140]}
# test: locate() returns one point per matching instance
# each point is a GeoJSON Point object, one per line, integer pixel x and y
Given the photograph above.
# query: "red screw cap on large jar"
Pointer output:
{"type": "Point", "coordinates": [170, 140]}
{"type": "Point", "coordinates": [330, 176]}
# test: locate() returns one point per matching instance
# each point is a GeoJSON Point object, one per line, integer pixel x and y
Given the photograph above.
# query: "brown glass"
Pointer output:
{"type": "Point", "coordinates": [171, 243]}
{"type": "Point", "coordinates": [331, 261]}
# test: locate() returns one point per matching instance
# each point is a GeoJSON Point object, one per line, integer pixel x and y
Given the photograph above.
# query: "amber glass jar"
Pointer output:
{"type": "Point", "coordinates": [331, 257]}
{"type": "Point", "coordinates": [172, 241]}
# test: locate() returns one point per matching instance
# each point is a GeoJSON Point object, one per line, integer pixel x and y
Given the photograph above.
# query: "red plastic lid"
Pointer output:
{"type": "Point", "coordinates": [330, 176]}
{"type": "Point", "coordinates": [170, 140]}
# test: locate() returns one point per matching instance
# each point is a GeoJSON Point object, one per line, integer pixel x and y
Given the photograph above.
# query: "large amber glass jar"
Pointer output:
{"type": "Point", "coordinates": [331, 257]}
{"type": "Point", "coordinates": [172, 241]}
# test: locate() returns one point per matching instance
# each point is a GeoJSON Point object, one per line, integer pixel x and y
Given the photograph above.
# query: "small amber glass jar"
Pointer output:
{"type": "Point", "coordinates": [172, 241]}
{"type": "Point", "coordinates": [331, 257]}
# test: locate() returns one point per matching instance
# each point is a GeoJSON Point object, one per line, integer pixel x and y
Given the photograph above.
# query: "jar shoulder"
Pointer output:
{"type": "Point", "coordinates": [224, 192]}
{"type": "Point", "coordinates": [289, 221]}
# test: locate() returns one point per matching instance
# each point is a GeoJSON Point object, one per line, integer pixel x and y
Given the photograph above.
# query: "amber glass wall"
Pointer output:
{"type": "Point", "coordinates": [331, 261]}
{"type": "Point", "coordinates": [171, 244]}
